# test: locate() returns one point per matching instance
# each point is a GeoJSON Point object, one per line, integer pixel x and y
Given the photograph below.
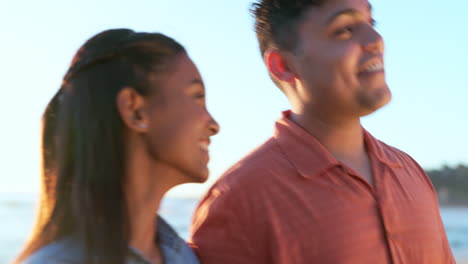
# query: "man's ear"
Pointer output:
{"type": "Point", "coordinates": [278, 65]}
{"type": "Point", "coordinates": [131, 107]}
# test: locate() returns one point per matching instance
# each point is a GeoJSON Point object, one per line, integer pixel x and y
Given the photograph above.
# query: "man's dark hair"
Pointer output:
{"type": "Point", "coordinates": [276, 22]}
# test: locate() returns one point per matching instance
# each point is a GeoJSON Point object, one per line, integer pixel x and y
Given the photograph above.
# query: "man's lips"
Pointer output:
{"type": "Point", "coordinates": [372, 65]}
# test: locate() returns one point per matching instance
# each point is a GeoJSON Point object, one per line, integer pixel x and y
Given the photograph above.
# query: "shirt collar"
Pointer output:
{"type": "Point", "coordinates": [169, 241]}
{"type": "Point", "coordinates": [310, 157]}
{"type": "Point", "coordinates": [305, 153]}
{"type": "Point", "coordinates": [381, 151]}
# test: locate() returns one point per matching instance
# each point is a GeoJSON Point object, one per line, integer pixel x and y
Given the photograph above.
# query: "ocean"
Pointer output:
{"type": "Point", "coordinates": [17, 213]}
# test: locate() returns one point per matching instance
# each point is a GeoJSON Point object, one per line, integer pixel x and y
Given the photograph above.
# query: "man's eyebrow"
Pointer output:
{"type": "Point", "coordinates": [348, 12]}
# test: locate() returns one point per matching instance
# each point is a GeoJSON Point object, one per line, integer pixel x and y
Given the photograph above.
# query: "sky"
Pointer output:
{"type": "Point", "coordinates": [425, 58]}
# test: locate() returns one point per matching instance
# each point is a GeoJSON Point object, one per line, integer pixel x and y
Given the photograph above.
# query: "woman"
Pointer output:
{"type": "Point", "coordinates": [128, 123]}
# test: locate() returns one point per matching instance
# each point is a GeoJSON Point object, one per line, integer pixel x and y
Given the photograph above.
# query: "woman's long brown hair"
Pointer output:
{"type": "Point", "coordinates": [82, 178]}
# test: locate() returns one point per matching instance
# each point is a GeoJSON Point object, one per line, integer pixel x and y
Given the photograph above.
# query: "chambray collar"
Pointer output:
{"type": "Point", "coordinates": [310, 157]}
{"type": "Point", "coordinates": [71, 249]}
{"type": "Point", "coordinates": [172, 246]}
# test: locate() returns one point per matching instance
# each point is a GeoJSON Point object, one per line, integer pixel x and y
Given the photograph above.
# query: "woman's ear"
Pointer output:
{"type": "Point", "coordinates": [132, 110]}
{"type": "Point", "coordinates": [278, 66]}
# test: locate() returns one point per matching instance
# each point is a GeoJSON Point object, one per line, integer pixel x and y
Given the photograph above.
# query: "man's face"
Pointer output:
{"type": "Point", "coordinates": [339, 60]}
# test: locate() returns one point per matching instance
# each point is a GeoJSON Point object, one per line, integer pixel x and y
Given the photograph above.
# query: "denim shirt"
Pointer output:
{"type": "Point", "coordinates": [69, 250]}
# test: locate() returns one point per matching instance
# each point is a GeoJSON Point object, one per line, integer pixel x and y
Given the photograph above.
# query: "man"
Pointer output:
{"type": "Point", "coordinates": [322, 189]}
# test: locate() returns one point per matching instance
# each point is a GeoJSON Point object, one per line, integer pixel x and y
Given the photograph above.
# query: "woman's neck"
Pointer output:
{"type": "Point", "coordinates": [146, 184]}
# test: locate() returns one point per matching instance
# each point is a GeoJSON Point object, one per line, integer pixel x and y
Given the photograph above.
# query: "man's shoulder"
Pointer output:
{"type": "Point", "coordinates": [265, 165]}
{"type": "Point", "coordinates": [263, 161]}
{"type": "Point", "coordinates": [395, 154]}
{"type": "Point", "coordinates": [63, 251]}
{"type": "Point", "coordinates": [410, 167]}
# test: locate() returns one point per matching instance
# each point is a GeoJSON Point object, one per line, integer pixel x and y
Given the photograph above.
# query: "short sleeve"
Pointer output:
{"type": "Point", "coordinates": [449, 259]}
{"type": "Point", "coordinates": [223, 231]}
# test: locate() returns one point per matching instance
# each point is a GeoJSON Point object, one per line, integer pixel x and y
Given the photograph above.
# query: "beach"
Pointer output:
{"type": "Point", "coordinates": [17, 213]}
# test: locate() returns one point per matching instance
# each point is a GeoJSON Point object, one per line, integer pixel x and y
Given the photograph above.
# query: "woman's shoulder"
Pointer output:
{"type": "Point", "coordinates": [63, 251]}
{"type": "Point", "coordinates": [70, 251]}
{"type": "Point", "coordinates": [175, 249]}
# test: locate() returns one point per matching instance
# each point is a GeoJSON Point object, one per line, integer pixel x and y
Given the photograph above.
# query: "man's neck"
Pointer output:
{"type": "Point", "coordinates": [344, 140]}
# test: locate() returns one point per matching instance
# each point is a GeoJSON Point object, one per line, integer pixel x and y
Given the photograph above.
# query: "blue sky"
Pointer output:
{"type": "Point", "coordinates": [425, 63]}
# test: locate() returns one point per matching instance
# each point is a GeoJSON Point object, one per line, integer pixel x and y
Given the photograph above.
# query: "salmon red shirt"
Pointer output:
{"type": "Point", "coordinates": [290, 201]}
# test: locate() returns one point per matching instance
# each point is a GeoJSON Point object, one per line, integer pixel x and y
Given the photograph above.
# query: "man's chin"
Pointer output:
{"type": "Point", "coordinates": [383, 97]}
{"type": "Point", "coordinates": [377, 100]}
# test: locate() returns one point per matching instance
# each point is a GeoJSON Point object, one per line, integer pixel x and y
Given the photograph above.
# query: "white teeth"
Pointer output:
{"type": "Point", "coordinates": [204, 146]}
{"type": "Point", "coordinates": [374, 67]}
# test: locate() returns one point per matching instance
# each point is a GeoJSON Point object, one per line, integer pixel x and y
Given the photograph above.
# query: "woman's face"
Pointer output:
{"type": "Point", "coordinates": [180, 126]}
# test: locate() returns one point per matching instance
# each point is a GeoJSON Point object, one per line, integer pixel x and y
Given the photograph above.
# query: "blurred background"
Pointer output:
{"type": "Point", "coordinates": [425, 63]}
